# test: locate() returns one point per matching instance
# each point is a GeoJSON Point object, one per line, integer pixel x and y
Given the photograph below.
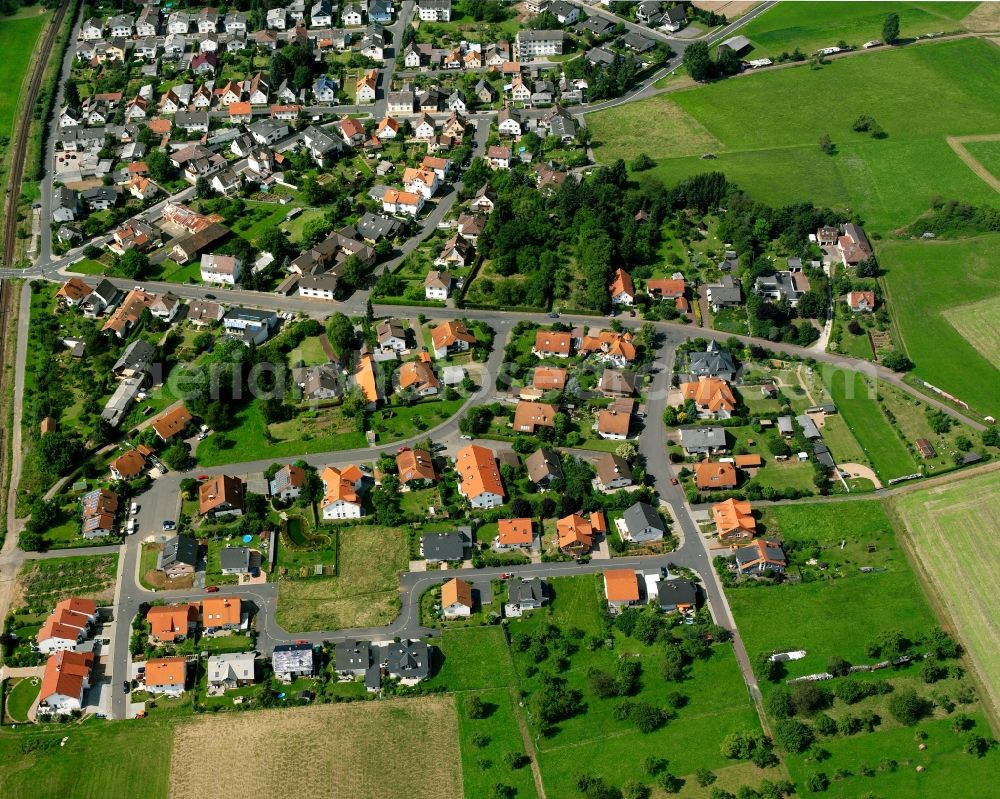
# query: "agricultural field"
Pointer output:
{"type": "Point", "coordinates": [943, 322]}
{"type": "Point", "coordinates": [98, 760]}
{"type": "Point", "coordinates": [407, 748]}
{"type": "Point", "coordinates": [949, 529]}
{"type": "Point", "coordinates": [810, 26]}
{"type": "Point", "coordinates": [887, 182]}
{"type": "Point", "coordinates": [364, 592]}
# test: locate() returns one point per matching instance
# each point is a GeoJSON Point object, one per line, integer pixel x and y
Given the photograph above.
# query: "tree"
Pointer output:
{"type": "Point", "coordinates": [340, 331]}
{"type": "Point", "coordinates": [812, 305]}
{"type": "Point", "coordinates": [705, 777]}
{"type": "Point", "coordinates": [133, 264]}
{"type": "Point", "coordinates": [837, 666]}
{"type": "Point", "coordinates": [808, 697]}
{"type": "Point", "coordinates": [907, 707]}
{"type": "Point", "coordinates": [203, 188]}
{"type": "Point", "coordinates": [991, 436]}
{"type": "Point", "coordinates": [475, 708]}
{"type": "Point", "coordinates": [642, 162]}
{"type": "Point", "coordinates": [818, 782]}
{"type": "Point", "coordinates": [896, 361]}
{"type": "Point", "coordinates": [698, 62]}
{"type": "Point", "coordinates": [626, 451]}
{"type": "Point", "coordinates": [868, 267]}
{"type": "Point", "coordinates": [159, 165]}
{"type": "Point", "coordinates": [826, 144]}
{"type": "Point", "coordinates": [555, 700]}
{"type": "Point", "coordinates": [792, 735]}
{"type": "Point", "coordinates": [178, 456]}
{"type": "Point", "coordinates": [779, 704]}
{"type": "Point", "coordinates": [890, 28]}
{"type": "Point", "coordinates": [670, 783]}
{"type": "Point", "coordinates": [58, 452]}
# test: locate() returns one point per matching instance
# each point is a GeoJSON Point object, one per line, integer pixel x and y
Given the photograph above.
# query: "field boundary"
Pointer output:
{"type": "Point", "coordinates": [957, 143]}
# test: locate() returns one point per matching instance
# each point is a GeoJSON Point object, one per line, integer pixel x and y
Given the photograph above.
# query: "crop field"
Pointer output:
{"type": "Point", "coordinates": [43, 583]}
{"type": "Point", "coordinates": [404, 749]}
{"type": "Point", "coordinates": [810, 26]}
{"type": "Point", "coordinates": [98, 760]}
{"type": "Point", "coordinates": [951, 529]}
{"type": "Point", "coordinates": [884, 450]}
{"type": "Point", "coordinates": [363, 594]}
{"type": "Point", "coordinates": [888, 182]}
{"type": "Point", "coordinates": [929, 304]}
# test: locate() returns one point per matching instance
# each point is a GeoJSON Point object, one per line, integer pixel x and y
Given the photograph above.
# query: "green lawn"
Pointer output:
{"type": "Point", "coordinates": [99, 759]}
{"type": "Point", "coordinates": [841, 441]}
{"type": "Point", "coordinates": [831, 617]}
{"type": "Point", "coordinates": [87, 266]}
{"type": "Point", "coordinates": [500, 727]}
{"type": "Point", "coordinates": [259, 217]}
{"type": "Point", "coordinates": [473, 659]}
{"type": "Point", "coordinates": [884, 450]}
{"type": "Point", "coordinates": [597, 742]}
{"type": "Point", "coordinates": [309, 352]}
{"type": "Point", "coordinates": [18, 38]}
{"type": "Point", "coordinates": [810, 26]}
{"type": "Point", "coordinates": [928, 302]}
{"type": "Point", "coordinates": [20, 697]}
{"type": "Point", "coordinates": [172, 272]}
{"type": "Point", "coordinates": [888, 182]}
{"type": "Point", "coordinates": [400, 421]}
{"type": "Point", "coordinates": [246, 440]}
{"type": "Point", "coordinates": [987, 153]}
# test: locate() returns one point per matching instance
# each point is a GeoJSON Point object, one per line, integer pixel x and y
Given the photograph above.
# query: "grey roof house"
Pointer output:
{"type": "Point", "coordinates": [441, 547]}
{"type": "Point", "coordinates": [703, 440]}
{"type": "Point", "coordinates": [179, 556]}
{"type": "Point", "coordinates": [672, 595]}
{"type": "Point", "coordinates": [641, 522]}
{"type": "Point", "coordinates": [291, 661]}
{"type": "Point", "coordinates": [714, 362]}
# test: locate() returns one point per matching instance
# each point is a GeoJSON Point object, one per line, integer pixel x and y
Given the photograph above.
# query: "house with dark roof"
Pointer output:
{"type": "Point", "coordinates": [543, 467]}
{"type": "Point", "coordinates": [714, 362]}
{"type": "Point", "coordinates": [703, 440]}
{"type": "Point", "coordinates": [613, 472]}
{"type": "Point", "coordinates": [676, 595]}
{"type": "Point", "coordinates": [524, 595]}
{"type": "Point", "coordinates": [640, 523]}
{"type": "Point", "coordinates": [761, 558]}
{"type": "Point", "coordinates": [291, 661]}
{"type": "Point", "coordinates": [179, 557]}
{"type": "Point", "coordinates": [444, 547]}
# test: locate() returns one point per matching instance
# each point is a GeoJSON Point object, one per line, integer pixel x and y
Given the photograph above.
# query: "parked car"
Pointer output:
{"type": "Point", "coordinates": [169, 525]}
{"type": "Point", "coordinates": [211, 589]}
{"type": "Point", "coordinates": [135, 508]}
{"type": "Point", "coordinates": [673, 481]}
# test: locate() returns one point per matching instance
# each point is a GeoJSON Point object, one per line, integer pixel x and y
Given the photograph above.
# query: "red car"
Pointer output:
{"type": "Point", "coordinates": [506, 575]}
{"type": "Point", "coordinates": [403, 449]}
{"type": "Point", "coordinates": [202, 476]}
{"type": "Point", "coordinates": [302, 641]}
{"type": "Point", "coordinates": [211, 589]}
{"type": "Point", "coordinates": [673, 481]}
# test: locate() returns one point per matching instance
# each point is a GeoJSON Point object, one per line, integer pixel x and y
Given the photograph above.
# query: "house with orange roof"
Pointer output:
{"type": "Point", "coordinates": [529, 416]}
{"type": "Point", "coordinates": [712, 396]}
{"type": "Point", "coordinates": [576, 533]}
{"type": "Point", "coordinates": [613, 425]}
{"type": "Point", "coordinates": [513, 533]}
{"type": "Point", "coordinates": [367, 380]}
{"type": "Point", "coordinates": [761, 558]}
{"type": "Point", "coordinates": [614, 348]}
{"type": "Point", "coordinates": [64, 681]}
{"type": "Point", "coordinates": [416, 468]}
{"type": "Point", "coordinates": [387, 129]}
{"type": "Point", "coordinates": [69, 623]}
{"type": "Point", "coordinates": [342, 493]}
{"type": "Point", "coordinates": [166, 676]}
{"type": "Point", "coordinates": [221, 495]}
{"type": "Point", "coordinates": [456, 599]}
{"type": "Point", "coordinates": [172, 423]}
{"type": "Point", "coordinates": [734, 520]}
{"type": "Point", "coordinates": [418, 376]}
{"type": "Point", "coordinates": [219, 613]}
{"type": "Point", "coordinates": [365, 87]}
{"type": "Point", "coordinates": [665, 289]}
{"type": "Point", "coordinates": [449, 338]}
{"type": "Point", "coordinates": [480, 477]}
{"type": "Point", "coordinates": [421, 181]}
{"type": "Point", "coordinates": [552, 344]}
{"type": "Point", "coordinates": [861, 301]}
{"type": "Point", "coordinates": [288, 482]}
{"type": "Point", "coordinates": [395, 201]}
{"type": "Point", "coordinates": [549, 378]}
{"type": "Point", "coordinates": [127, 315]}
{"type": "Point", "coordinates": [621, 288]}
{"type": "Point", "coordinates": [710, 476]}
{"type": "Point", "coordinates": [128, 465]}
{"type": "Point", "coordinates": [73, 292]}
{"type": "Point", "coordinates": [621, 589]}
{"type": "Point", "coordinates": [169, 623]}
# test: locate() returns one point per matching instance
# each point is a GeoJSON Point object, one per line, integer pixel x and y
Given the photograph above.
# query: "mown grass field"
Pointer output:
{"type": "Point", "coordinates": [363, 594]}
{"type": "Point", "coordinates": [405, 749]}
{"type": "Point", "coordinates": [979, 324]}
{"type": "Point", "coordinates": [99, 759]}
{"type": "Point", "coordinates": [18, 39]}
{"type": "Point", "coordinates": [474, 659]}
{"type": "Point", "coordinates": [951, 530]}
{"type": "Point", "coordinates": [836, 616]}
{"type": "Point", "coordinates": [884, 451]}
{"type": "Point", "coordinates": [930, 286]}
{"type": "Point", "coordinates": [888, 182]}
{"type": "Point", "coordinates": [810, 26]}
{"type": "Point", "coordinates": [986, 153]}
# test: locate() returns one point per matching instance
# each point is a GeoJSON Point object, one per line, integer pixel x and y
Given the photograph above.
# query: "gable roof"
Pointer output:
{"type": "Point", "coordinates": [447, 333]}
{"type": "Point", "coordinates": [415, 464]}
{"type": "Point", "coordinates": [477, 467]}
{"type": "Point", "coordinates": [129, 464]}
{"type": "Point", "coordinates": [169, 424]}
{"type": "Point", "coordinates": [543, 463]}
{"type": "Point", "coordinates": [621, 585]}
{"type": "Point", "coordinates": [166, 622]}
{"type": "Point", "coordinates": [534, 414]}
{"type": "Point", "coordinates": [708, 475]}
{"type": "Point", "coordinates": [340, 484]}
{"type": "Point", "coordinates": [456, 592]}
{"type": "Point", "coordinates": [621, 283]}
{"type": "Point", "coordinates": [640, 515]}
{"type": "Point", "coordinates": [712, 393]}
{"type": "Point", "coordinates": [162, 672]}
{"type": "Point", "coordinates": [65, 674]}
{"type": "Point", "coordinates": [220, 490]}
{"type": "Point", "coordinates": [733, 515]}
{"type": "Point", "coordinates": [221, 611]}
{"type": "Point", "coordinates": [611, 467]}
{"type": "Point", "coordinates": [553, 341]}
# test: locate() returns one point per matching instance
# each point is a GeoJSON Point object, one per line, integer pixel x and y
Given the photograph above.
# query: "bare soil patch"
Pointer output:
{"type": "Point", "coordinates": [732, 10]}
{"type": "Point", "coordinates": [984, 18]}
{"type": "Point", "coordinates": [405, 749]}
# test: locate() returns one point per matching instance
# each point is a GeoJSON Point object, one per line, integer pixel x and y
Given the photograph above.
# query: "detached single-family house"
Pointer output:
{"type": "Point", "coordinates": [714, 362]}
{"type": "Point", "coordinates": [734, 520]}
{"type": "Point", "coordinates": [172, 623]}
{"type": "Point", "coordinates": [221, 495]}
{"type": "Point", "coordinates": [576, 533]}
{"type": "Point", "coordinates": [288, 482]}
{"type": "Point", "coordinates": [613, 472]}
{"type": "Point", "coordinates": [703, 440]}
{"type": "Point", "coordinates": [513, 533]}
{"type": "Point", "coordinates": [861, 301]}
{"type": "Point", "coordinates": [342, 490]}
{"type": "Point", "coordinates": [456, 599]}
{"type": "Point", "coordinates": [640, 523]}
{"type": "Point", "coordinates": [291, 661]}
{"type": "Point", "coordinates": [166, 676]}
{"type": "Point", "coordinates": [64, 682]}
{"type": "Point", "coordinates": [711, 476]}
{"type": "Point", "coordinates": [676, 596]}
{"type": "Point", "coordinates": [449, 338]}
{"type": "Point", "coordinates": [761, 558]}
{"type": "Point", "coordinates": [480, 477]}
{"type": "Point", "coordinates": [544, 467]}
{"type": "Point", "coordinates": [621, 589]}
{"type": "Point", "coordinates": [221, 613]}
{"type": "Point", "coordinates": [229, 671]}
{"type": "Point", "coordinates": [178, 558]}
{"type": "Point", "coordinates": [416, 468]}
{"type": "Point", "coordinates": [444, 547]}
{"type": "Point", "coordinates": [713, 397]}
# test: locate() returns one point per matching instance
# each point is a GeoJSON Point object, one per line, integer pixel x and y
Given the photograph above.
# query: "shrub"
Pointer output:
{"type": "Point", "coordinates": [907, 707]}
{"type": "Point", "coordinates": [792, 735]}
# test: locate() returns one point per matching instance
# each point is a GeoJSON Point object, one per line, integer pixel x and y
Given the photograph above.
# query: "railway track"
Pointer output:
{"type": "Point", "coordinates": [19, 153]}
